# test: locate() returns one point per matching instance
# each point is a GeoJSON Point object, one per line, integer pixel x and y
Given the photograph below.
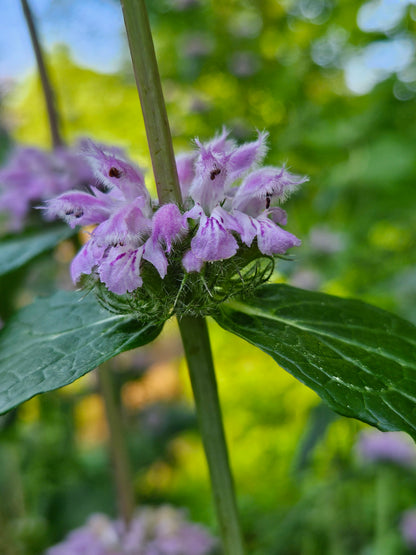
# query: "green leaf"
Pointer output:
{"type": "Point", "coordinates": [320, 418]}
{"type": "Point", "coordinates": [15, 251]}
{"type": "Point", "coordinates": [360, 359]}
{"type": "Point", "coordinates": [56, 340]}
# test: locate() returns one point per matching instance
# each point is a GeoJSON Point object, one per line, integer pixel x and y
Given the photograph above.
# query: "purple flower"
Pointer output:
{"type": "Point", "coordinates": [395, 447]}
{"type": "Point", "coordinates": [128, 231]}
{"type": "Point", "coordinates": [152, 531]}
{"type": "Point", "coordinates": [225, 209]}
{"type": "Point", "coordinates": [408, 527]}
{"type": "Point", "coordinates": [230, 204]}
{"type": "Point", "coordinates": [32, 175]}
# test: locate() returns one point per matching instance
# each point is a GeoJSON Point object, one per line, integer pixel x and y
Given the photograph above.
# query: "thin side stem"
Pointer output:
{"type": "Point", "coordinates": [197, 347]}
{"type": "Point", "coordinates": [118, 447]}
{"type": "Point", "coordinates": [151, 98]}
{"type": "Point", "coordinates": [48, 92]}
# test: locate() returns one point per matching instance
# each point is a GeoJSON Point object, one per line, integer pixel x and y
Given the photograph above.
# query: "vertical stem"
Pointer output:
{"type": "Point", "coordinates": [384, 489]}
{"type": "Point", "coordinates": [118, 448]}
{"type": "Point", "coordinates": [46, 84]}
{"type": "Point", "coordinates": [151, 98]}
{"type": "Point", "coordinates": [197, 347]}
{"type": "Point", "coordinates": [193, 330]}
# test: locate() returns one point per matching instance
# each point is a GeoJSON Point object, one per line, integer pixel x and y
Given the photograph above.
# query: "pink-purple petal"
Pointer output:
{"type": "Point", "coordinates": [272, 239]}
{"type": "Point", "coordinates": [194, 213]}
{"type": "Point", "coordinates": [78, 208]}
{"type": "Point", "coordinates": [191, 263]}
{"type": "Point", "coordinates": [211, 174]}
{"type": "Point", "coordinates": [263, 185]}
{"type": "Point", "coordinates": [277, 215]}
{"type": "Point", "coordinates": [168, 225]}
{"type": "Point", "coordinates": [212, 241]}
{"type": "Point", "coordinates": [114, 171]}
{"type": "Point", "coordinates": [153, 253]}
{"type": "Point", "coordinates": [84, 262]}
{"type": "Point", "coordinates": [220, 143]}
{"type": "Point", "coordinates": [248, 227]}
{"type": "Point", "coordinates": [120, 270]}
{"type": "Point", "coordinates": [185, 164]}
{"type": "Point", "coordinates": [246, 156]}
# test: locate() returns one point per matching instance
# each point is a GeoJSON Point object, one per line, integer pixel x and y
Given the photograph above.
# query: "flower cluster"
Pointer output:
{"type": "Point", "coordinates": [228, 218]}
{"type": "Point", "coordinates": [32, 175]}
{"type": "Point", "coordinates": [153, 531]}
{"type": "Point", "coordinates": [393, 447]}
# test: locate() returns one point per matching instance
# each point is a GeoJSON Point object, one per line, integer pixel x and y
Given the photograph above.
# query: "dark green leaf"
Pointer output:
{"type": "Point", "coordinates": [360, 359]}
{"type": "Point", "coordinates": [56, 340]}
{"type": "Point", "coordinates": [15, 251]}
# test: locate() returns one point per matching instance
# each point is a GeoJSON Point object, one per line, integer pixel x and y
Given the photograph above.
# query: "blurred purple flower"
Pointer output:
{"type": "Point", "coordinates": [244, 64]}
{"type": "Point", "coordinates": [306, 279]}
{"type": "Point", "coordinates": [325, 241]}
{"type": "Point", "coordinates": [394, 447]}
{"type": "Point", "coordinates": [196, 45]}
{"type": "Point", "coordinates": [153, 531]}
{"type": "Point", "coordinates": [32, 175]}
{"type": "Point", "coordinates": [220, 216]}
{"type": "Point", "coordinates": [408, 527]}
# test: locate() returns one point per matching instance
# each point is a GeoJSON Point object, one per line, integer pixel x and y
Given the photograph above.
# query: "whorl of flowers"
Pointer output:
{"type": "Point", "coordinates": [153, 531]}
{"type": "Point", "coordinates": [31, 175]}
{"type": "Point", "coordinates": [220, 241]}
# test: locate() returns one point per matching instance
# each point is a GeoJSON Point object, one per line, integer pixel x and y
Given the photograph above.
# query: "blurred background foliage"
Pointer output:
{"type": "Point", "coordinates": [334, 82]}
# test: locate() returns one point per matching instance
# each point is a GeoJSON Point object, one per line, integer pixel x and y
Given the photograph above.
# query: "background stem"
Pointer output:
{"type": "Point", "coordinates": [151, 98]}
{"type": "Point", "coordinates": [384, 490]}
{"type": "Point", "coordinates": [118, 447]}
{"type": "Point", "coordinates": [197, 347]}
{"type": "Point", "coordinates": [44, 78]}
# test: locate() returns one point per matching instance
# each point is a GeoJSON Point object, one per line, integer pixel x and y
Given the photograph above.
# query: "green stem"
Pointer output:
{"type": "Point", "coordinates": [193, 330]}
{"type": "Point", "coordinates": [44, 78]}
{"type": "Point", "coordinates": [151, 98]}
{"type": "Point", "coordinates": [197, 347]}
{"type": "Point", "coordinates": [384, 490]}
{"type": "Point", "coordinates": [118, 447]}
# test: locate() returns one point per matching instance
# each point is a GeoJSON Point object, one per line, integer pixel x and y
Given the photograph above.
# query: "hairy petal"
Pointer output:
{"type": "Point", "coordinates": [127, 225]}
{"type": "Point", "coordinates": [220, 143]}
{"type": "Point", "coordinates": [210, 177]}
{"type": "Point", "coordinates": [86, 260]}
{"type": "Point", "coordinates": [120, 270]}
{"type": "Point", "coordinates": [267, 183]}
{"type": "Point", "coordinates": [191, 263]}
{"type": "Point", "coordinates": [213, 241]}
{"type": "Point", "coordinates": [272, 239]}
{"type": "Point", "coordinates": [248, 227]}
{"type": "Point", "coordinates": [168, 224]}
{"type": "Point", "coordinates": [113, 170]}
{"type": "Point", "coordinates": [185, 164]}
{"type": "Point", "coordinates": [246, 156]}
{"type": "Point", "coordinates": [154, 253]}
{"type": "Point", "coordinates": [277, 215]}
{"type": "Point", "coordinates": [194, 213]}
{"type": "Point", "coordinates": [78, 208]}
